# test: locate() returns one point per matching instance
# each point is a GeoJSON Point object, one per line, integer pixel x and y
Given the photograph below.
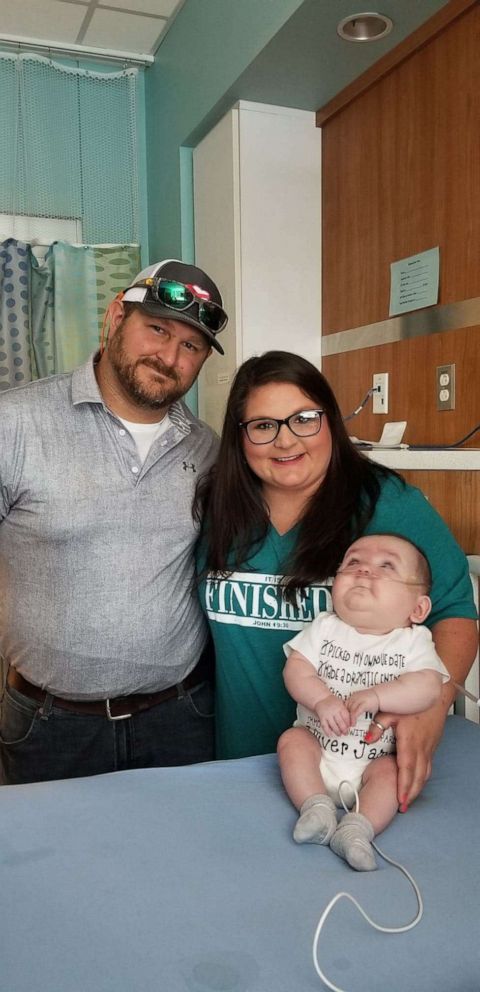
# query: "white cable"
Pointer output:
{"type": "Point", "coordinates": [346, 895]}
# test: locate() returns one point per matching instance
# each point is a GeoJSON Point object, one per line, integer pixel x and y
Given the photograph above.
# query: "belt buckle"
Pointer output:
{"type": "Point", "coordinates": [113, 719]}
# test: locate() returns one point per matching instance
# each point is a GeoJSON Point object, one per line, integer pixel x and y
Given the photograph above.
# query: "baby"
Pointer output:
{"type": "Point", "coordinates": [371, 654]}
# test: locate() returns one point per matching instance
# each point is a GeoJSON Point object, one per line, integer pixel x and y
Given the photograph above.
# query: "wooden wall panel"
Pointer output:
{"type": "Point", "coordinates": [412, 395]}
{"type": "Point", "coordinates": [401, 168]}
{"type": "Point", "coordinates": [401, 174]}
{"type": "Point", "coordinates": [456, 496]}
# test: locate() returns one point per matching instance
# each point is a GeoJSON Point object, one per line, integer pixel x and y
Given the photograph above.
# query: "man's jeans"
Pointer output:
{"type": "Point", "coordinates": [62, 744]}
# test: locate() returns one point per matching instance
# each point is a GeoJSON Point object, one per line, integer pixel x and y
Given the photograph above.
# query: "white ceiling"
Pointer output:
{"type": "Point", "coordinates": [134, 26]}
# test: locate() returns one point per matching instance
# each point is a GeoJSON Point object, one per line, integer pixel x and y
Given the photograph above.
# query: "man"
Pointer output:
{"type": "Point", "coordinates": [100, 625]}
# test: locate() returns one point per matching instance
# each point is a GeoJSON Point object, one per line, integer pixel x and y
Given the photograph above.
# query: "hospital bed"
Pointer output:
{"type": "Point", "coordinates": [463, 705]}
{"type": "Point", "coordinates": [188, 880]}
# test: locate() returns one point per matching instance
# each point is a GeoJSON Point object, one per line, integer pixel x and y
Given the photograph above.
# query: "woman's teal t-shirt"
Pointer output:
{"type": "Point", "coordinates": [250, 620]}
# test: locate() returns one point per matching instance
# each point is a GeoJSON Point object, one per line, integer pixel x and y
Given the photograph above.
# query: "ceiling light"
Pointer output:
{"type": "Point", "coordinates": [364, 27]}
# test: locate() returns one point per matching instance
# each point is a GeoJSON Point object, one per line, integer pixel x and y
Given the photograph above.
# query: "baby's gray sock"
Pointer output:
{"type": "Point", "coordinates": [317, 821]}
{"type": "Point", "coordinates": [351, 841]}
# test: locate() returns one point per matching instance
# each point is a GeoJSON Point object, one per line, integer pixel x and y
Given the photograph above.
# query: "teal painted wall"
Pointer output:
{"type": "Point", "coordinates": [209, 45]}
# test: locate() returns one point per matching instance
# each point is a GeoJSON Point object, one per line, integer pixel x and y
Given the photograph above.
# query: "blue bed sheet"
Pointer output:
{"type": "Point", "coordinates": [187, 880]}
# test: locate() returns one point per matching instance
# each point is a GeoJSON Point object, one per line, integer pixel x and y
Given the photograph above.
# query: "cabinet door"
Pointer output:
{"type": "Point", "coordinates": [257, 194]}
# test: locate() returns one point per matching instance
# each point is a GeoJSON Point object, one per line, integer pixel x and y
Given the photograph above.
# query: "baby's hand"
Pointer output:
{"type": "Point", "coordinates": [365, 701]}
{"type": "Point", "coordinates": [333, 715]}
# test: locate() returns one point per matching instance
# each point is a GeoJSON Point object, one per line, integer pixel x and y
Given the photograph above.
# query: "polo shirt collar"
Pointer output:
{"type": "Point", "coordinates": [85, 388]}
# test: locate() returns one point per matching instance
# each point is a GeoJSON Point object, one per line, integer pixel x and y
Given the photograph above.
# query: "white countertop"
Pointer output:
{"type": "Point", "coordinates": [445, 459]}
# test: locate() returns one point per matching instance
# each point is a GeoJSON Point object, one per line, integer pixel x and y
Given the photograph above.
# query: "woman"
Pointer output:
{"type": "Point", "coordinates": [287, 496]}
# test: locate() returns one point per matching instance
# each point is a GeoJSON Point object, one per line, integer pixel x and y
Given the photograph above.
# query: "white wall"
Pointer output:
{"type": "Point", "coordinates": [257, 194]}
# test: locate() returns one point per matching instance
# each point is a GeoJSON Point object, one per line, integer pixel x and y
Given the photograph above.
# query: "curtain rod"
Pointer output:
{"type": "Point", "coordinates": [77, 51]}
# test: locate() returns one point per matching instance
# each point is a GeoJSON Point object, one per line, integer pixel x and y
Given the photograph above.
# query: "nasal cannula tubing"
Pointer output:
{"type": "Point", "coordinates": [465, 692]}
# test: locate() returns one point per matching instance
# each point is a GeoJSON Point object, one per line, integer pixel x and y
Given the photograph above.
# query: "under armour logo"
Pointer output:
{"type": "Point", "coordinates": [187, 467]}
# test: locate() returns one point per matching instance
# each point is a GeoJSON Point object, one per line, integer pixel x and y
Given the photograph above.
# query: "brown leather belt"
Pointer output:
{"type": "Point", "coordinates": [119, 708]}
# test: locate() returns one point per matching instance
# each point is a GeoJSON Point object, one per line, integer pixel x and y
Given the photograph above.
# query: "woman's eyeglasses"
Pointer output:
{"type": "Point", "coordinates": [263, 430]}
{"type": "Point", "coordinates": [179, 296]}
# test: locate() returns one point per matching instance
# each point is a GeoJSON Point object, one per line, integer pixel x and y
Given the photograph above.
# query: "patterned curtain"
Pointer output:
{"type": "Point", "coordinates": [15, 345]}
{"type": "Point", "coordinates": [51, 307]}
{"type": "Point", "coordinates": [42, 316]}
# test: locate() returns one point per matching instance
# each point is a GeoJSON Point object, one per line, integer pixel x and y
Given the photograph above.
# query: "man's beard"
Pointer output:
{"type": "Point", "coordinates": [153, 395]}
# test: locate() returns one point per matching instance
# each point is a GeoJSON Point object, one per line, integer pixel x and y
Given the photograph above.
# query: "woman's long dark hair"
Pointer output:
{"type": "Point", "coordinates": [229, 498]}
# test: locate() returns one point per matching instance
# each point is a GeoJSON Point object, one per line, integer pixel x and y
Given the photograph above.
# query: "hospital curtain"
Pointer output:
{"type": "Point", "coordinates": [70, 146]}
{"type": "Point", "coordinates": [51, 308]}
{"type": "Point", "coordinates": [15, 344]}
{"type": "Point", "coordinates": [69, 162]}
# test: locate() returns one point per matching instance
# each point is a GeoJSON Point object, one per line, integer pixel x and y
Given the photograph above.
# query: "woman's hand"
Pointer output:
{"type": "Point", "coordinates": [417, 737]}
{"type": "Point", "coordinates": [364, 701]}
{"type": "Point", "coordinates": [456, 641]}
{"type": "Point", "coordinates": [333, 715]}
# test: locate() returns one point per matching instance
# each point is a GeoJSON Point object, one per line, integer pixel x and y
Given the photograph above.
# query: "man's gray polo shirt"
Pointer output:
{"type": "Point", "coordinates": [97, 597]}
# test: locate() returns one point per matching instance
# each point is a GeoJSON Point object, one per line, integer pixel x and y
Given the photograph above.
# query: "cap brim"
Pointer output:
{"type": "Point", "coordinates": [156, 310]}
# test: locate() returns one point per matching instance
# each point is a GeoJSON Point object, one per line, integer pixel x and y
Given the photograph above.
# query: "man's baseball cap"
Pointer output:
{"type": "Point", "coordinates": [178, 291]}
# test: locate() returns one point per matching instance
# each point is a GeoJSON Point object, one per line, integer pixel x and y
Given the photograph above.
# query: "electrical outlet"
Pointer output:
{"type": "Point", "coordinates": [445, 387]}
{"type": "Point", "coordinates": [380, 397]}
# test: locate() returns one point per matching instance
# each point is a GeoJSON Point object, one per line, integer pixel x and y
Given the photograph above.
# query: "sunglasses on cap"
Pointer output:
{"type": "Point", "coordinates": [180, 296]}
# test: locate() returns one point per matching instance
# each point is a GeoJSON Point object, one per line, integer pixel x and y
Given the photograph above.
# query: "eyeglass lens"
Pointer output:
{"type": "Point", "coordinates": [212, 316]}
{"type": "Point", "coordinates": [174, 294]}
{"type": "Point", "coordinates": [302, 424]}
{"type": "Point", "coordinates": [179, 297]}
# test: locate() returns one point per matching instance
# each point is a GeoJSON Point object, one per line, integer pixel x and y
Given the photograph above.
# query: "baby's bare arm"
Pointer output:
{"type": "Point", "coordinates": [305, 687]}
{"type": "Point", "coordinates": [410, 693]}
